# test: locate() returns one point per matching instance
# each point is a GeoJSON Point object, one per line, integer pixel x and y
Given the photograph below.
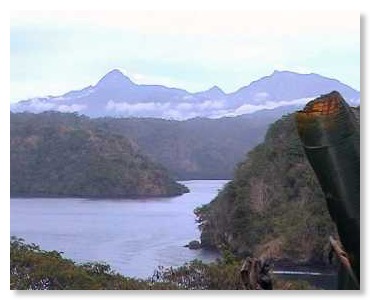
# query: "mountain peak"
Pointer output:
{"type": "Point", "coordinates": [216, 89]}
{"type": "Point", "coordinates": [114, 78]}
{"type": "Point", "coordinates": [213, 92]}
{"type": "Point", "coordinates": [116, 95]}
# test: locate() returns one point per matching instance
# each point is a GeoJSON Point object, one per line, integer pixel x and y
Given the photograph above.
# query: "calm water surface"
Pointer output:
{"type": "Point", "coordinates": [133, 236]}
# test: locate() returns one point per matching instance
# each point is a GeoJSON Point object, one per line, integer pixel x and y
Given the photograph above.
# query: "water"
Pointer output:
{"type": "Point", "coordinates": [318, 277]}
{"type": "Point", "coordinates": [134, 236]}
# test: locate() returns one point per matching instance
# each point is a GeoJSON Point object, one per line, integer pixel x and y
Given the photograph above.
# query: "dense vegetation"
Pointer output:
{"type": "Point", "coordinates": [274, 205]}
{"type": "Point", "coordinates": [33, 268]}
{"type": "Point", "coordinates": [198, 148]}
{"type": "Point", "coordinates": [55, 154]}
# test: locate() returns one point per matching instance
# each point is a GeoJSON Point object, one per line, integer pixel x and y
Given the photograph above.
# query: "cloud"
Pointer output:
{"type": "Point", "coordinates": [185, 106]}
{"type": "Point", "coordinates": [209, 104]}
{"type": "Point", "coordinates": [136, 108]}
{"type": "Point", "coordinates": [250, 108]}
{"type": "Point", "coordinates": [39, 105]}
{"type": "Point", "coordinates": [71, 108]}
{"type": "Point", "coordinates": [180, 111]}
{"type": "Point", "coordinates": [35, 105]}
{"type": "Point", "coordinates": [167, 110]}
{"type": "Point", "coordinates": [186, 110]}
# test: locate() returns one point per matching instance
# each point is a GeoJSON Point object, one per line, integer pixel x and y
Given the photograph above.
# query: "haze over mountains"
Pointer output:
{"type": "Point", "coordinates": [193, 135]}
{"type": "Point", "coordinates": [117, 96]}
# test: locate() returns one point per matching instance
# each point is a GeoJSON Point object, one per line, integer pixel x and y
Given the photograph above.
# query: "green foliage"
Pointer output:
{"type": "Point", "coordinates": [274, 205]}
{"type": "Point", "coordinates": [54, 154]}
{"type": "Point", "coordinates": [32, 268]}
{"type": "Point", "coordinates": [36, 269]}
{"type": "Point", "coordinates": [198, 148]}
{"type": "Point", "coordinates": [224, 274]}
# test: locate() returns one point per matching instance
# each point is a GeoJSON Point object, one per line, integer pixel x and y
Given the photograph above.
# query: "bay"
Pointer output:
{"type": "Point", "coordinates": [134, 236]}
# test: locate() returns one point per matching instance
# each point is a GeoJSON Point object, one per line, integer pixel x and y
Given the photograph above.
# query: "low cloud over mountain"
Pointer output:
{"type": "Point", "coordinates": [116, 95]}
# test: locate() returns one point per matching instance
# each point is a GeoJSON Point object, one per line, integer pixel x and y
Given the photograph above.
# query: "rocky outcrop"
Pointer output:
{"type": "Point", "coordinates": [194, 245]}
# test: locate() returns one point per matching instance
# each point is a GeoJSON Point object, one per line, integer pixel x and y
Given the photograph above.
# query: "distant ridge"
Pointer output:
{"type": "Point", "coordinates": [116, 95]}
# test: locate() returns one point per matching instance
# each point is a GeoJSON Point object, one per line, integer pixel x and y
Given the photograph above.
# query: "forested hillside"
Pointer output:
{"type": "Point", "coordinates": [55, 154]}
{"type": "Point", "coordinates": [198, 148]}
{"type": "Point", "coordinates": [274, 205]}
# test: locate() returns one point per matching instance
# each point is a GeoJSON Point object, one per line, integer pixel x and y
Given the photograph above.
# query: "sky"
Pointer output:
{"type": "Point", "coordinates": [53, 52]}
{"type": "Point", "coordinates": [332, 53]}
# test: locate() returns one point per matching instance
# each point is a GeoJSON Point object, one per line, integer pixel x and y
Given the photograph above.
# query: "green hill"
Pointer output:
{"type": "Point", "coordinates": [55, 154]}
{"type": "Point", "coordinates": [198, 148]}
{"type": "Point", "coordinates": [273, 206]}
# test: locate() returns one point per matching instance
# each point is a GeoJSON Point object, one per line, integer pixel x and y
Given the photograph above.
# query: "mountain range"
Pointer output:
{"type": "Point", "coordinates": [117, 96]}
